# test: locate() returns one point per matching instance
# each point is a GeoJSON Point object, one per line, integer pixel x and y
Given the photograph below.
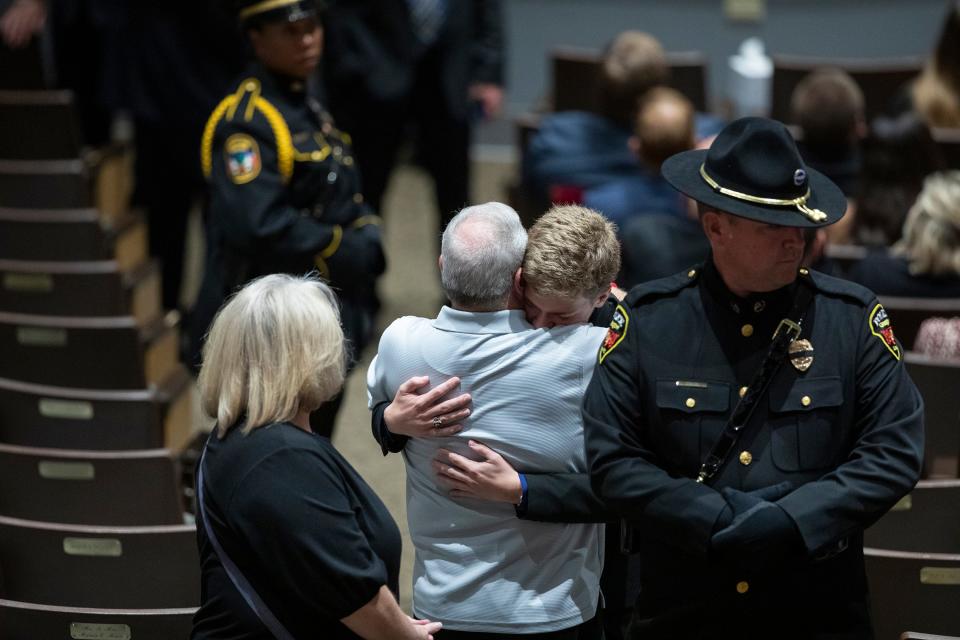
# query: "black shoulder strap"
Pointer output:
{"type": "Point", "coordinates": [787, 331]}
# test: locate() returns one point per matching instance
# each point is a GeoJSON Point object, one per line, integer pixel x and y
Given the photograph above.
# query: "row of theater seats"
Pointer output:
{"type": "Point", "coordinates": [913, 553]}
{"type": "Point", "coordinates": [95, 408]}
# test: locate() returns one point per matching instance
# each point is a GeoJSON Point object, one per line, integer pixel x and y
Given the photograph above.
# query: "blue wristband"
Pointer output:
{"type": "Point", "coordinates": [522, 507]}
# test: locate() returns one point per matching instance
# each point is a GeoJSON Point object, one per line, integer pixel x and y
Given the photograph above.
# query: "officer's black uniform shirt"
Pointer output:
{"type": "Point", "coordinates": [846, 432]}
{"type": "Point", "coordinates": [310, 536]}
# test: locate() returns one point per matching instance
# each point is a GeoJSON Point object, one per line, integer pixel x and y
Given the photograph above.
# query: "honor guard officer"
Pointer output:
{"type": "Point", "coordinates": [748, 417]}
{"type": "Point", "coordinates": [284, 187]}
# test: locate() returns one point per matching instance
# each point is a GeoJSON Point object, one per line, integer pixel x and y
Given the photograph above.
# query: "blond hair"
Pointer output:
{"type": "Point", "coordinates": [572, 251]}
{"type": "Point", "coordinates": [274, 349]}
{"type": "Point", "coordinates": [931, 232]}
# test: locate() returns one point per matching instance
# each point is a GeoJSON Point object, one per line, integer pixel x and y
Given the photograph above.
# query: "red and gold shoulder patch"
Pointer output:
{"type": "Point", "coordinates": [880, 326]}
{"type": "Point", "coordinates": [616, 332]}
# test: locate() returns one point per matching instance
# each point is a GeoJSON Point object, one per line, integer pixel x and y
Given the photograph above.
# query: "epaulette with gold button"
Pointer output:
{"type": "Point", "coordinates": [663, 286]}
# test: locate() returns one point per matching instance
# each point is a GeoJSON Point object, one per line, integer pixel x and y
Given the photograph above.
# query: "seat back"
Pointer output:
{"type": "Point", "coordinates": [80, 288]}
{"type": "Point", "coordinates": [107, 420]}
{"type": "Point", "coordinates": [879, 79]}
{"type": "Point", "coordinates": [948, 141]}
{"type": "Point", "coordinates": [24, 68]}
{"type": "Point", "coordinates": [576, 72]}
{"type": "Point", "coordinates": [28, 621]}
{"type": "Point", "coordinates": [39, 125]}
{"type": "Point", "coordinates": [45, 184]}
{"type": "Point", "coordinates": [102, 567]}
{"type": "Point", "coordinates": [913, 591]}
{"type": "Point", "coordinates": [939, 382]}
{"type": "Point", "coordinates": [117, 488]}
{"type": "Point", "coordinates": [87, 353]}
{"type": "Point", "coordinates": [925, 520]}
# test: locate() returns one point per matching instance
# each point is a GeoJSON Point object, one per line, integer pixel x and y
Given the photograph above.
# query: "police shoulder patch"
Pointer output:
{"type": "Point", "coordinates": [615, 333]}
{"type": "Point", "coordinates": [242, 155]}
{"type": "Point", "coordinates": [880, 326]}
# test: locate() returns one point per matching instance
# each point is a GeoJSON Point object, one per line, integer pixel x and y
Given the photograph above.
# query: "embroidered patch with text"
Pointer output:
{"type": "Point", "coordinates": [880, 326]}
{"type": "Point", "coordinates": [243, 158]}
{"type": "Point", "coordinates": [616, 332]}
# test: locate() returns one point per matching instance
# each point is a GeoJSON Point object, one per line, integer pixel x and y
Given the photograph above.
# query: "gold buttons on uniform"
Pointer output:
{"type": "Point", "coordinates": [348, 161]}
{"type": "Point", "coordinates": [804, 271]}
{"type": "Point", "coordinates": [691, 403]}
{"type": "Point", "coordinates": [743, 391]}
{"type": "Point", "coordinates": [805, 401]}
{"type": "Point", "coordinates": [746, 458]}
{"type": "Point", "coordinates": [743, 586]}
{"type": "Point", "coordinates": [691, 273]}
{"type": "Point", "coordinates": [746, 330]}
{"type": "Point", "coordinates": [358, 198]}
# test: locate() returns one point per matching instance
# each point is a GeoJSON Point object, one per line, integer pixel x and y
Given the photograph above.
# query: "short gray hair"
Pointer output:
{"type": "Point", "coordinates": [482, 248]}
{"type": "Point", "coordinates": [274, 349]}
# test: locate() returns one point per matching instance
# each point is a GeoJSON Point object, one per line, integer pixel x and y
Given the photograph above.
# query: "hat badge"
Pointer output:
{"type": "Point", "coordinates": [799, 177]}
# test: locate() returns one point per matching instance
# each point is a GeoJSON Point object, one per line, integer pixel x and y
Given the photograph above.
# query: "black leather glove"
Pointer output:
{"type": "Point", "coordinates": [761, 538]}
{"type": "Point", "coordinates": [743, 500]}
{"type": "Point", "coordinates": [359, 257]}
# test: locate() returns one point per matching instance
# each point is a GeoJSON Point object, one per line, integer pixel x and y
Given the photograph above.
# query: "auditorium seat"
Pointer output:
{"type": "Point", "coordinates": [948, 141]}
{"type": "Point", "coordinates": [108, 420]}
{"type": "Point", "coordinates": [102, 180]}
{"type": "Point", "coordinates": [910, 590]}
{"type": "Point", "coordinates": [844, 256]}
{"type": "Point", "coordinates": [880, 79]}
{"type": "Point", "coordinates": [80, 288]}
{"type": "Point", "coordinates": [925, 520]}
{"type": "Point", "coordinates": [39, 125]}
{"type": "Point", "coordinates": [907, 314]}
{"type": "Point", "coordinates": [116, 488]}
{"type": "Point", "coordinates": [28, 621]}
{"type": "Point", "coordinates": [576, 70]}
{"type": "Point", "coordinates": [88, 352]}
{"type": "Point", "coordinates": [24, 68]}
{"type": "Point", "coordinates": [939, 384]}
{"type": "Point", "coordinates": [71, 235]}
{"type": "Point", "coordinates": [913, 635]}
{"type": "Point", "coordinates": [102, 567]}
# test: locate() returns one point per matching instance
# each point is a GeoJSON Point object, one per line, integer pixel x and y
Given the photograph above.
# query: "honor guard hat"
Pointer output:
{"type": "Point", "coordinates": [261, 11]}
{"type": "Point", "coordinates": [754, 170]}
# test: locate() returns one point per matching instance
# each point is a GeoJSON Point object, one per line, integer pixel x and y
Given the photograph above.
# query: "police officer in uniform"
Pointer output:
{"type": "Point", "coordinates": [284, 190]}
{"type": "Point", "coordinates": [748, 417]}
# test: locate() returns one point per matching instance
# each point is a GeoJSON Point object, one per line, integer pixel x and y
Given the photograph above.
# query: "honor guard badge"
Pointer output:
{"type": "Point", "coordinates": [801, 354]}
{"type": "Point", "coordinates": [243, 158]}
{"type": "Point", "coordinates": [618, 329]}
{"type": "Point", "coordinates": [880, 326]}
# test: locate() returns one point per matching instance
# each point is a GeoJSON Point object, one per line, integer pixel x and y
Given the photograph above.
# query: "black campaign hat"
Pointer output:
{"type": "Point", "coordinates": [250, 11]}
{"type": "Point", "coordinates": [753, 170]}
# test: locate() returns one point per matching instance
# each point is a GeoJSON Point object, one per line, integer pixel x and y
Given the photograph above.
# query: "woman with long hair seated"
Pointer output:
{"type": "Point", "coordinates": [293, 543]}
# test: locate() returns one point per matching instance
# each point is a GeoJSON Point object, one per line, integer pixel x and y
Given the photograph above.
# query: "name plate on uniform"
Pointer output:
{"type": "Point", "coordinates": [101, 547]}
{"type": "Point", "coordinates": [904, 504]}
{"type": "Point", "coordinates": [72, 409]}
{"type": "Point", "coordinates": [41, 337]}
{"type": "Point", "coordinates": [91, 631]}
{"type": "Point", "coordinates": [32, 282]}
{"type": "Point", "coordinates": [940, 575]}
{"type": "Point", "coordinates": [57, 470]}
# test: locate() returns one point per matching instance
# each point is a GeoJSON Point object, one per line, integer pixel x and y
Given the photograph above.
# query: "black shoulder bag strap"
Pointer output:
{"type": "Point", "coordinates": [787, 331]}
{"type": "Point", "coordinates": [249, 594]}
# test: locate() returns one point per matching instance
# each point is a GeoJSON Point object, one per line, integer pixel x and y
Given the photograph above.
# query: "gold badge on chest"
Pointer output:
{"type": "Point", "coordinates": [801, 354]}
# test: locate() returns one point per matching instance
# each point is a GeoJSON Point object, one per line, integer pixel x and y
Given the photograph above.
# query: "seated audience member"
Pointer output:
{"type": "Point", "coordinates": [939, 338]}
{"type": "Point", "coordinates": [898, 154]}
{"type": "Point", "coordinates": [280, 508]}
{"type": "Point", "coordinates": [480, 569]}
{"type": "Point", "coordinates": [664, 126]}
{"type": "Point", "coordinates": [581, 149]}
{"type": "Point", "coordinates": [827, 106]}
{"type": "Point", "coordinates": [925, 263]}
{"type": "Point", "coordinates": [935, 95]}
